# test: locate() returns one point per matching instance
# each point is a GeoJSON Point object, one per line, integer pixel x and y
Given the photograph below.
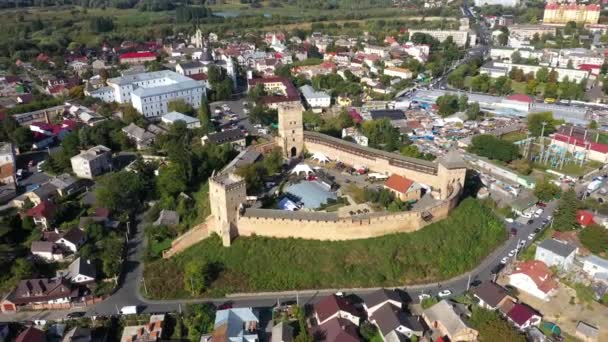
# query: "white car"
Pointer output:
{"type": "Point", "coordinates": [538, 212]}
{"type": "Point", "coordinates": [531, 236]}
{"type": "Point", "coordinates": [521, 243]}
{"type": "Point", "coordinates": [424, 296]}
{"type": "Point", "coordinates": [509, 220]}
{"type": "Point", "coordinates": [526, 215]}
{"type": "Point", "coordinates": [504, 260]}
{"type": "Point", "coordinates": [444, 293]}
{"type": "Point", "coordinates": [511, 253]}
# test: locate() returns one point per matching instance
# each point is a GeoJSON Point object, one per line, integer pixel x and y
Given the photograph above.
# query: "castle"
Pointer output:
{"type": "Point", "coordinates": [562, 13]}
{"type": "Point", "coordinates": [227, 192]}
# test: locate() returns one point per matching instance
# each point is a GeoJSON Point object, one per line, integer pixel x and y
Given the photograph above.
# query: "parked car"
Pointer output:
{"type": "Point", "coordinates": [541, 204]}
{"type": "Point", "coordinates": [504, 260]}
{"type": "Point", "coordinates": [530, 221]}
{"type": "Point", "coordinates": [128, 310]}
{"type": "Point", "coordinates": [508, 219]}
{"type": "Point", "coordinates": [531, 236]}
{"type": "Point", "coordinates": [424, 296]}
{"type": "Point", "coordinates": [538, 212]}
{"type": "Point", "coordinates": [475, 283]}
{"type": "Point", "coordinates": [75, 314]}
{"type": "Point", "coordinates": [513, 231]}
{"type": "Point", "coordinates": [521, 244]}
{"type": "Point", "coordinates": [444, 293]}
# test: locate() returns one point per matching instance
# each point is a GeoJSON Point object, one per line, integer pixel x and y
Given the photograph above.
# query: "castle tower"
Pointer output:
{"type": "Point", "coordinates": [226, 194]}
{"type": "Point", "coordinates": [451, 173]}
{"type": "Point", "coordinates": [291, 130]}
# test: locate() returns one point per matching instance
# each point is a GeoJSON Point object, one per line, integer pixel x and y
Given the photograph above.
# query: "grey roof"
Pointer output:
{"type": "Point", "coordinates": [45, 191]}
{"type": "Point", "coordinates": [587, 329]}
{"type": "Point", "coordinates": [444, 312]}
{"type": "Point", "coordinates": [594, 259]}
{"type": "Point", "coordinates": [282, 332]}
{"type": "Point", "coordinates": [191, 65]}
{"type": "Point", "coordinates": [310, 93]}
{"type": "Point", "coordinates": [380, 296]}
{"type": "Point", "coordinates": [389, 318]}
{"type": "Point", "coordinates": [391, 114]}
{"type": "Point", "coordinates": [557, 247]}
{"type": "Point", "coordinates": [93, 152]}
{"type": "Point", "coordinates": [235, 320]}
{"type": "Point", "coordinates": [177, 116]}
{"type": "Point", "coordinates": [168, 218]}
{"type": "Point", "coordinates": [490, 293]}
{"type": "Point", "coordinates": [174, 82]}
{"type": "Point", "coordinates": [227, 136]}
{"type": "Point", "coordinates": [78, 334]}
{"type": "Point", "coordinates": [138, 133]}
{"type": "Point", "coordinates": [63, 180]}
{"type": "Point", "coordinates": [452, 160]}
{"type": "Point", "coordinates": [42, 247]}
{"type": "Point", "coordinates": [81, 266]}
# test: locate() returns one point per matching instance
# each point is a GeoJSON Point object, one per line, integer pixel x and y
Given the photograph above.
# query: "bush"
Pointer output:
{"type": "Point", "coordinates": [595, 239]}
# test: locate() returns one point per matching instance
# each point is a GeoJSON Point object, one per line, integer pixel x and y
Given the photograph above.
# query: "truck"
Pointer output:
{"type": "Point", "coordinates": [596, 184]}
{"type": "Point", "coordinates": [128, 310]}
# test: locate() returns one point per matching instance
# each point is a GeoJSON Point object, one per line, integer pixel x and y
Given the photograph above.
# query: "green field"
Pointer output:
{"type": "Point", "coordinates": [437, 252]}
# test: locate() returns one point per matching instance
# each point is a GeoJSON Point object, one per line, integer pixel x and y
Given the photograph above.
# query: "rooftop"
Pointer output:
{"type": "Point", "coordinates": [557, 247]}
{"type": "Point", "coordinates": [177, 116]}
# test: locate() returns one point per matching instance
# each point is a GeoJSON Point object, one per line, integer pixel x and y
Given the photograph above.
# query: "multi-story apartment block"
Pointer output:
{"type": "Point", "coordinates": [7, 163]}
{"type": "Point", "coordinates": [151, 92]}
{"type": "Point", "coordinates": [561, 13]}
{"type": "Point", "coordinates": [92, 162]}
{"type": "Point", "coordinates": [503, 3]}
{"type": "Point", "coordinates": [460, 37]}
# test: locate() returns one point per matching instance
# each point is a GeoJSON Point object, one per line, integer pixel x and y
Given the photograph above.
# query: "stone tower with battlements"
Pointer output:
{"type": "Point", "coordinates": [291, 130]}
{"type": "Point", "coordinates": [226, 194]}
{"type": "Point", "coordinates": [451, 172]}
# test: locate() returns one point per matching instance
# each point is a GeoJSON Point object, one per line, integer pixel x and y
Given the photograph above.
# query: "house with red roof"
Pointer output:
{"type": "Point", "coordinates": [31, 334]}
{"type": "Point", "coordinates": [584, 145]}
{"type": "Point", "coordinates": [280, 88]}
{"type": "Point", "coordinates": [535, 278]}
{"type": "Point", "coordinates": [337, 330]}
{"type": "Point", "coordinates": [584, 218]}
{"type": "Point", "coordinates": [137, 57]}
{"type": "Point", "coordinates": [334, 306]}
{"type": "Point", "coordinates": [42, 213]}
{"type": "Point", "coordinates": [523, 316]}
{"type": "Point", "coordinates": [403, 188]}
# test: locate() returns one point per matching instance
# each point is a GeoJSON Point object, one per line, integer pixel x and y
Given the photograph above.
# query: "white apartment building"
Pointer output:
{"type": "Point", "coordinates": [562, 73]}
{"type": "Point", "coordinates": [7, 163]}
{"type": "Point", "coordinates": [381, 51]}
{"type": "Point", "coordinates": [528, 31]}
{"type": "Point", "coordinates": [92, 162]}
{"type": "Point", "coordinates": [315, 99]}
{"type": "Point", "coordinates": [578, 57]}
{"type": "Point", "coordinates": [505, 54]}
{"type": "Point", "coordinates": [503, 3]}
{"type": "Point", "coordinates": [150, 92]}
{"type": "Point", "coordinates": [460, 37]}
{"type": "Point", "coordinates": [402, 73]}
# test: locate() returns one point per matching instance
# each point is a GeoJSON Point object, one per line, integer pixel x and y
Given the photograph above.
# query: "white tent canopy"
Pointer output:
{"type": "Point", "coordinates": [320, 157]}
{"type": "Point", "coordinates": [302, 168]}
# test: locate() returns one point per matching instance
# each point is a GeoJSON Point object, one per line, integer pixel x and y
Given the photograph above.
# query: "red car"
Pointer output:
{"type": "Point", "coordinates": [513, 231]}
{"type": "Point", "coordinates": [541, 204]}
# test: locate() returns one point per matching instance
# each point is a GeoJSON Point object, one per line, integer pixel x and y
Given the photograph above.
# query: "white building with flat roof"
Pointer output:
{"type": "Point", "coordinates": [503, 3]}
{"type": "Point", "coordinates": [172, 117]}
{"type": "Point", "coordinates": [315, 99]}
{"type": "Point", "coordinates": [460, 37]}
{"type": "Point", "coordinates": [150, 92]}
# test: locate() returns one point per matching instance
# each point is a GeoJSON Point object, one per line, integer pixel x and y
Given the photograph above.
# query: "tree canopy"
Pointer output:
{"type": "Point", "coordinates": [494, 148]}
{"type": "Point", "coordinates": [535, 123]}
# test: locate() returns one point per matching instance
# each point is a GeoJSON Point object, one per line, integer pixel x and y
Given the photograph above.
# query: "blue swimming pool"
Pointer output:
{"type": "Point", "coordinates": [312, 193]}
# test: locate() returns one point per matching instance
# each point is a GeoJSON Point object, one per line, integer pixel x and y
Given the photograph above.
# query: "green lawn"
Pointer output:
{"type": "Point", "coordinates": [514, 136]}
{"type": "Point", "coordinates": [440, 251]}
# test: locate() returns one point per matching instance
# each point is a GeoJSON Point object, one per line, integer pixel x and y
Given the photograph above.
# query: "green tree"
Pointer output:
{"type": "Point", "coordinates": [542, 75]}
{"type": "Point", "coordinates": [551, 90]}
{"type": "Point", "coordinates": [565, 217]}
{"type": "Point", "coordinates": [463, 101]}
{"type": "Point", "coordinates": [492, 327]}
{"type": "Point", "coordinates": [23, 269]}
{"type": "Point", "coordinates": [494, 148]}
{"type": "Point", "coordinates": [130, 114]}
{"type": "Point", "coordinates": [196, 276]}
{"type": "Point", "coordinates": [448, 104]}
{"type": "Point", "coordinates": [180, 106]}
{"type": "Point", "coordinates": [531, 86]}
{"type": "Point", "coordinates": [204, 116]}
{"type": "Point", "coordinates": [535, 123]}
{"type": "Point", "coordinates": [120, 191]}
{"type": "Point", "coordinates": [382, 134]}
{"type": "Point", "coordinates": [546, 190]}
{"type": "Point", "coordinates": [199, 320]}
{"type": "Point", "coordinates": [595, 239]}
{"type": "Point", "coordinates": [473, 111]}
{"type": "Point", "coordinates": [593, 124]}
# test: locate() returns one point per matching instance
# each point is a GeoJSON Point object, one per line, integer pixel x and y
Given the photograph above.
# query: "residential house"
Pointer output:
{"type": "Point", "coordinates": [137, 57]}
{"type": "Point", "coordinates": [535, 278]}
{"type": "Point", "coordinates": [43, 213]}
{"type": "Point", "coordinates": [596, 267]}
{"type": "Point", "coordinates": [80, 271]}
{"type": "Point", "coordinates": [78, 334]}
{"type": "Point", "coordinates": [92, 162]}
{"type": "Point", "coordinates": [191, 68]}
{"type": "Point", "coordinates": [556, 253]}
{"type": "Point", "coordinates": [282, 332]}
{"type": "Point", "coordinates": [315, 99]}
{"type": "Point", "coordinates": [172, 117]}
{"type": "Point", "coordinates": [401, 73]}
{"type": "Point", "coordinates": [491, 296]}
{"type": "Point", "coordinates": [353, 133]}
{"type": "Point", "coordinates": [403, 188]}
{"type": "Point", "coordinates": [232, 136]}
{"type": "Point", "coordinates": [73, 239]}
{"type": "Point", "coordinates": [378, 298]}
{"type": "Point", "coordinates": [31, 334]}
{"type": "Point", "coordinates": [394, 324]}
{"type": "Point", "coordinates": [141, 137]}
{"type": "Point", "coordinates": [151, 332]}
{"type": "Point", "coordinates": [333, 306]}
{"type": "Point", "coordinates": [444, 318]}
{"type": "Point", "coordinates": [39, 291]}
{"type": "Point", "coordinates": [586, 332]}
{"type": "Point", "coordinates": [66, 184]}
{"type": "Point", "coordinates": [8, 164]}
{"type": "Point", "coordinates": [336, 329]}
{"type": "Point", "coordinates": [167, 218]}
{"type": "Point", "coordinates": [236, 324]}
{"type": "Point", "coordinates": [47, 250]}
{"type": "Point", "coordinates": [523, 316]}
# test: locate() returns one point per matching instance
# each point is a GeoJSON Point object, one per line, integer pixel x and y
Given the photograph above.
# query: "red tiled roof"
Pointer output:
{"type": "Point", "coordinates": [331, 304]}
{"type": "Point", "coordinates": [44, 209]}
{"type": "Point", "coordinates": [290, 90]}
{"type": "Point", "coordinates": [521, 313]}
{"type": "Point", "coordinates": [31, 334]}
{"type": "Point", "coordinates": [520, 98]}
{"type": "Point", "coordinates": [602, 148]}
{"type": "Point", "coordinates": [357, 118]}
{"type": "Point", "coordinates": [539, 273]}
{"type": "Point", "coordinates": [102, 212]}
{"type": "Point", "coordinates": [131, 55]}
{"type": "Point", "coordinates": [198, 77]}
{"type": "Point", "coordinates": [398, 183]}
{"type": "Point", "coordinates": [584, 218]}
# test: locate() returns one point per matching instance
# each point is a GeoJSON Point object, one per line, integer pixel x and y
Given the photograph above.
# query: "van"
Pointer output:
{"type": "Point", "coordinates": [128, 310]}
